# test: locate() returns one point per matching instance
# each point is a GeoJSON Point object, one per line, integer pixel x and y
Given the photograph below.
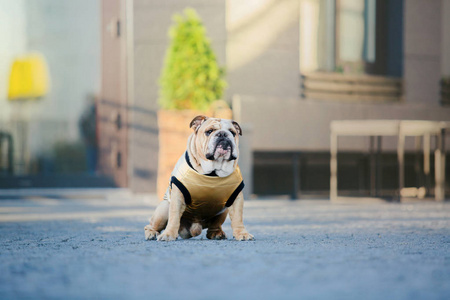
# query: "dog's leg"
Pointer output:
{"type": "Point", "coordinates": [176, 210]}
{"type": "Point", "coordinates": [215, 231]}
{"type": "Point", "coordinates": [237, 224]}
{"type": "Point", "coordinates": [158, 221]}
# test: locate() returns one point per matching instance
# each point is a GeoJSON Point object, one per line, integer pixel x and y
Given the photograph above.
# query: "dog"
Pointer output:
{"type": "Point", "coordinates": [205, 186]}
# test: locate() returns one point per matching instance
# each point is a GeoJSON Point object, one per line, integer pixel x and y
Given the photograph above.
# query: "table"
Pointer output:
{"type": "Point", "coordinates": [376, 129]}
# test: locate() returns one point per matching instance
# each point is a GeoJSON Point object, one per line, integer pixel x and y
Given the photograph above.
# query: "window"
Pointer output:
{"type": "Point", "coordinates": [351, 36]}
{"type": "Point", "coordinates": [355, 33]}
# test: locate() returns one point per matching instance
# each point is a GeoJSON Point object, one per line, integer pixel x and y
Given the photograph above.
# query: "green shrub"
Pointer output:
{"type": "Point", "coordinates": [191, 77]}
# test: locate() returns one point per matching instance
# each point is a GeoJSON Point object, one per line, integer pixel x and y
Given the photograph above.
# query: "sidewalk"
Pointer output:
{"type": "Point", "coordinates": [92, 247]}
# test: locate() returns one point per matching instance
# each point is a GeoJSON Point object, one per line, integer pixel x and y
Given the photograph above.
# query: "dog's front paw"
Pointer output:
{"type": "Point", "coordinates": [150, 233]}
{"type": "Point", "coordinates": [167, 236]}
{"type": "Point", "coordinates": [243, 236]}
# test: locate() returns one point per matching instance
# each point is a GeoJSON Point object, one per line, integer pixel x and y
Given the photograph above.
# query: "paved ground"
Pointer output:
{"type": "Point", "coordinates": [81, 248]}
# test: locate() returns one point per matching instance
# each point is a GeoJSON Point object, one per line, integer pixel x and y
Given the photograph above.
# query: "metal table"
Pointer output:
{"type": "Point", "coordinates": [376, 129]}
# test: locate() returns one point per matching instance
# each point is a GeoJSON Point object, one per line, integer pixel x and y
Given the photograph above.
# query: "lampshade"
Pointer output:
{"type": "Point", "coordinates": [28, 78]}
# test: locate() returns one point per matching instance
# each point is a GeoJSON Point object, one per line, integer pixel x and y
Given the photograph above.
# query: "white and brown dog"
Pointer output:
{"type": "Point", "coordinates": [205, 186]}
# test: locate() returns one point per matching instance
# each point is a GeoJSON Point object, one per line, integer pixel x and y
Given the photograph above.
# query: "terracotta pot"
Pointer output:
{"type": "Point", "coordinates": [173, 135]}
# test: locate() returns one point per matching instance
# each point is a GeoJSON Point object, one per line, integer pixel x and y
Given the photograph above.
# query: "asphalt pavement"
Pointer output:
{"type": "Point", "coordinates": [82, 245]}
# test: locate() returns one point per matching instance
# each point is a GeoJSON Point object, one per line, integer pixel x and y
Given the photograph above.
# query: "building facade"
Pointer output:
{"type": "Point", "coordinates": [269, 48]}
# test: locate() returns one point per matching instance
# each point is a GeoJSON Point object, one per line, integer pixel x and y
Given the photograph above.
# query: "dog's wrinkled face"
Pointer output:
{"type": "Point", "coordinates": [216, 139]}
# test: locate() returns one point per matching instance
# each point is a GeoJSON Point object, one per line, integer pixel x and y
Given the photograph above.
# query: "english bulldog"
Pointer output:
{"type": "Point", "coordinates": [205, 186]}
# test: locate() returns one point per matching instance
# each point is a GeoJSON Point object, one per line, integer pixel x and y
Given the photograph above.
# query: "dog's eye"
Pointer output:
{"type": "Point", "coordinates": [209, 132]}
{"type": "Point", "coordinates": [232, 132]}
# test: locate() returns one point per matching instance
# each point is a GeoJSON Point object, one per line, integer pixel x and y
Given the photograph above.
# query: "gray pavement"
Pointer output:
{"type": "Point", "coordinates": [92, 247]}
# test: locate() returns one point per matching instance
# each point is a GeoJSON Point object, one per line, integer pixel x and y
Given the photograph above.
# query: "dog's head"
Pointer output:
{"type": "Point", "coordinates": [216, 139]}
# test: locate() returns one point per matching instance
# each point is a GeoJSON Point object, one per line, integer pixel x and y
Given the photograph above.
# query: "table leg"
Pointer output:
{"type": "Point", "coordinates": [401, 163]}
{"type": "Point", "coordinates": [417, 158]}
{"type": "Point", "coordinates": [426, 160]}
{"type": "Point", "coordinates": [333, 166]}
{"type": "Point", "coordinates": [379, 168]}
{"type": "Point", "coordinates": [439, 161]}
{"type": "Point", "coordinates": [372, 167]}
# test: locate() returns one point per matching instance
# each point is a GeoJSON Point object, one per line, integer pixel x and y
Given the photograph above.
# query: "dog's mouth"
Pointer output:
{"type": "Point", "coordinates": [223, 149]}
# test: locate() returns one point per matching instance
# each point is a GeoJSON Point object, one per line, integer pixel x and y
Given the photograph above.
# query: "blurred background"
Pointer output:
{"type": "Point", "coordinates": [79, 88]}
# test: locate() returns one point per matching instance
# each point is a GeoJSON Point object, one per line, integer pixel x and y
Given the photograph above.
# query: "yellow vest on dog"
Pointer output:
{"type": "Point", "coordinates": [205, 195]}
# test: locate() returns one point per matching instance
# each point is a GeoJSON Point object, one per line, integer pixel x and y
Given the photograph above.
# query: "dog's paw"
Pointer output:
{"type": "Point", "coordinates": [150, 233]}
{"type": "Point", "coordinates": [216, 235]}
{"type": "Point", "coordinates": [167, 236]}
{"type": "Point", "coordinates": [243, 236]}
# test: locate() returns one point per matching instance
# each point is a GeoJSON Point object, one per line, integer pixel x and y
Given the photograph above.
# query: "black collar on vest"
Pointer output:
{"type": "Point", "coordinates": [186, 156]}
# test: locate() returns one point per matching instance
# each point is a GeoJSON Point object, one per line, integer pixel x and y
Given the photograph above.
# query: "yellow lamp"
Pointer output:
{"type": "Point", "coordinates": [28, 78]}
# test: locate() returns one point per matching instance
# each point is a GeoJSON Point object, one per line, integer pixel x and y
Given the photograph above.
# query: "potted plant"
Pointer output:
{"type": "Point", "coordinates": [191, 82]}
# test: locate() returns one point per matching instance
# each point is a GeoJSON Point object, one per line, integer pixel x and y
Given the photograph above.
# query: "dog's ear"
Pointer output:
{"type": "Point", "coordinates": [197, 122]}
{"type": "Point", "coordinates": [237, 126]}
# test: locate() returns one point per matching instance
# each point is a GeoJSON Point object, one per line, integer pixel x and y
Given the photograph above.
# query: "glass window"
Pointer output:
{"type": "Point", "coordinates": [50, 131]}
{"type": "Point", "coordinates": [351, 36]}
{"type": "Point", "coordinates": [317, 38]}
{"type": "Point", "coordinates": [356, 30]}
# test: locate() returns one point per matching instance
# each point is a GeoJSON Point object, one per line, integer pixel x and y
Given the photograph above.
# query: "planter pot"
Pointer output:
{"type": "Point", "coordinates": [173, 135]}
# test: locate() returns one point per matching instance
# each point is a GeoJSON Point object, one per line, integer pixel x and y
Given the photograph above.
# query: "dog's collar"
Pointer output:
{"type": "Point", "coordinates": [188, 161]}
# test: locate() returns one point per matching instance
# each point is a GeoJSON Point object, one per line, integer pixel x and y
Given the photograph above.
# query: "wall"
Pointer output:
{"type": "Point", "coordinates": [13, 33]}
{"type": "Point", "coordinates": [285, 124]}
{"type": "Point", "coordinates": [151, 22]}
{"type": "Point", "coordinates": [422, 51]}
{"type": "Point", "coordinates": [263, 47]}
{"type": "Point", "coordinates": [445, 33]}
